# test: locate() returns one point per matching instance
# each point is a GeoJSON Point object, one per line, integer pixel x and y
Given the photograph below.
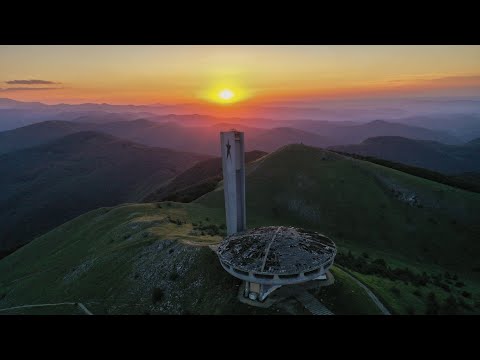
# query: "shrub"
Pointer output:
{"type": "Point", "coordinates": [395, 291]}
{"type": "Point", "coordinates": [450, 306]}
{"type": "Point", "coordinates": [380, 262]}
{"type": "Point", "coordinates": [464, 305]}
{"type": "Point", "coordinates": [459, 284]}
{"type": "Point", "coordinates": [466, 294]}
{"type": "Point", "coordinates": [207, 219]}
{"type": "Point", "coordinates": [365, 255]}
{"type": "Point", "coordinates": [173, 276]}
{"type": "Point", "coordinates": [159, 205]}
{"type": "Point", "coordinates": [432, 304]}
{"type": "Point", "coordinates": [157, 295]}
{"type": "Point", "coordinates": [417, 293]}
{"type": "Point", "coordinates": [442, 285]}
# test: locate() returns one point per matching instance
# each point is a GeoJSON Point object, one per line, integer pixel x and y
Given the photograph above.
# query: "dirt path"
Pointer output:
{"type": "Point", "coordinates": [80, 305]}
{"type": "Point", "coordinates": [372, 296]}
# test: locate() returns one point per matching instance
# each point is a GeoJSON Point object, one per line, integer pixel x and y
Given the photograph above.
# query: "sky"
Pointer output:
{"type": "Point", "coordinates": [250, 74]}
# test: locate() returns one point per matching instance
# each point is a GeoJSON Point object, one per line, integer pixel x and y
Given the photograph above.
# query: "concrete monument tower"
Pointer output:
{"type": "Point", "coordinates": [233, 164]}
{"type": "Point", "coordinates": [267, 257]}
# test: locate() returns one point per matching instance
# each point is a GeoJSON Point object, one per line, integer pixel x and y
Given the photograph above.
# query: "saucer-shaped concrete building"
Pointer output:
{"type": "Point", "coordinates": [269, 257]}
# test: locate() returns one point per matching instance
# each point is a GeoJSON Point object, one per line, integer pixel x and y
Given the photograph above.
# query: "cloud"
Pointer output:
{"type": "Point", "coordinates": [445, 80]}
{"type": "Point", "coordinates": [29, 88]}
{"type": "Point", "coordinates": [30, 82]}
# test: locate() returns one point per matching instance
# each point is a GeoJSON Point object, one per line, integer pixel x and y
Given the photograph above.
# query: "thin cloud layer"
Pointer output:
{"type": "Point", "coordinates": [29, 88]}
{"type": "Point", "coordinates": [30, 82]}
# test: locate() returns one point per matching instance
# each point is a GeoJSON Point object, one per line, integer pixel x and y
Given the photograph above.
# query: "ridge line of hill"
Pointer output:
{"type": "Point", "coordinates": [454, 181]}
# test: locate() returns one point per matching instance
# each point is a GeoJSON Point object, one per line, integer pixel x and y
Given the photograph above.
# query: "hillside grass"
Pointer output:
{"type": "Point", "coordinates": [152, 258]}
{"type": "Point", "coordinates": [141, 259]}
{"type": "Point", "coordinates": [358, 205]}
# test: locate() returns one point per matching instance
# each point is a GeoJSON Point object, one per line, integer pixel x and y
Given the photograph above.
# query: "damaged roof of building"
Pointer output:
{"type": "Point", "coordinates": [276, 250]}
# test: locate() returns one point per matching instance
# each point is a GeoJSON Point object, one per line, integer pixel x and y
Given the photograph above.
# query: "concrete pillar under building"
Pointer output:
{"type": "Point", "coordinates": [233, 165]}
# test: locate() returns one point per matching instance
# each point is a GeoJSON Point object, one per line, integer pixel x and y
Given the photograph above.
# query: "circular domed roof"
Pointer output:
{"type": "Point", "coordinates": [276, 250]}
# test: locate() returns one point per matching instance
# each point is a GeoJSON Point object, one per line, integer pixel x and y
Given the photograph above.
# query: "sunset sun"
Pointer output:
{"type": "Point", "coordinates": [226, 94]}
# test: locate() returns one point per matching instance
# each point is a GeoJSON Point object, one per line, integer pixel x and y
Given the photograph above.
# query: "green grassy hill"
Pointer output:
{"type": "Point", "coordinates": [412, 241]}
{"type": "Point", "coordinates": [369, 209]}
{"type": "Point", "coordinates": [46, 185]}
{"type": "Point", "coordinates": [364, 205]}
{"type": "Point", "coordinates": [141, 259]}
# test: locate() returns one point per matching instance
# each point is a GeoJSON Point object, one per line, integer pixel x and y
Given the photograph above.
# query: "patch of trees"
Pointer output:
{"type": "Point", "coordinates": [379, 267]}
{"type": "Point", "coordinates": [454, 304]}
{"type": "Point", "coordinates": [363, 264]}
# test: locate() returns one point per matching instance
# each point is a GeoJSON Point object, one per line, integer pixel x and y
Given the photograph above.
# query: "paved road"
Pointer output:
{"type": "Point", "coordinates": [80, 305]}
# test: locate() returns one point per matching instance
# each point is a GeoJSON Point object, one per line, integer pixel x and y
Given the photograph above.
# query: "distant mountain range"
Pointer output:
{"type": "Point", "coordinates": [463, 125]}
{"type": "Point", "coordinates": [204, 139]}
{"type": "Point", "coordinates": [46, 185]}
{"type": "Point", "coordinates": [457, 120]}
{"type": "Point", "coordinates": [448, 159]}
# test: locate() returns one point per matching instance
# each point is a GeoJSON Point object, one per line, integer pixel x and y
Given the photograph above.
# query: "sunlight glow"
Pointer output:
{"type": "Point", "coordinates": [226, 94]}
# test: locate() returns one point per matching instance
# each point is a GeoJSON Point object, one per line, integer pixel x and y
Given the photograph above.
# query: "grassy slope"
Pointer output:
{"type": "Point", "coordinates": [352, 202]}
{"type": "Point", "coordinates": [201, 178]}
{"type": "Point", "coordinates": [111, 259]}
{"type": "Point", "coordinates": [46, 185]}
{"type": "Point", "coordinates": [129, 250]}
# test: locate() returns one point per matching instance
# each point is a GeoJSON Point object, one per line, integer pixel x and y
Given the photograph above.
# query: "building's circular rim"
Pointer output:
{"type": "Point", "coordinates": [307, 273]}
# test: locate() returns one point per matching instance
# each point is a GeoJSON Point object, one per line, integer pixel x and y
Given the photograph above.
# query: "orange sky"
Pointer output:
{"type": "Point", "coordinates": [191, 74]}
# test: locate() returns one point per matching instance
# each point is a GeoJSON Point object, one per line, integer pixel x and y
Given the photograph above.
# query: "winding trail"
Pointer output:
{"type": "Point", "coordinates": [80, 305]}
{"type": "Point", "coordinates": [372, 296]}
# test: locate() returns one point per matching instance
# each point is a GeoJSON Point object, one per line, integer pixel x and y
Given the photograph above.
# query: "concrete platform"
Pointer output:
{"type": "Point", "coordinates": [298, 291]}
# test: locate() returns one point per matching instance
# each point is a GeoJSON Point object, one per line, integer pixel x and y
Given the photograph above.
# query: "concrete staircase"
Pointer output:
{"type": "Point", "coordinates": [311, 303]}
